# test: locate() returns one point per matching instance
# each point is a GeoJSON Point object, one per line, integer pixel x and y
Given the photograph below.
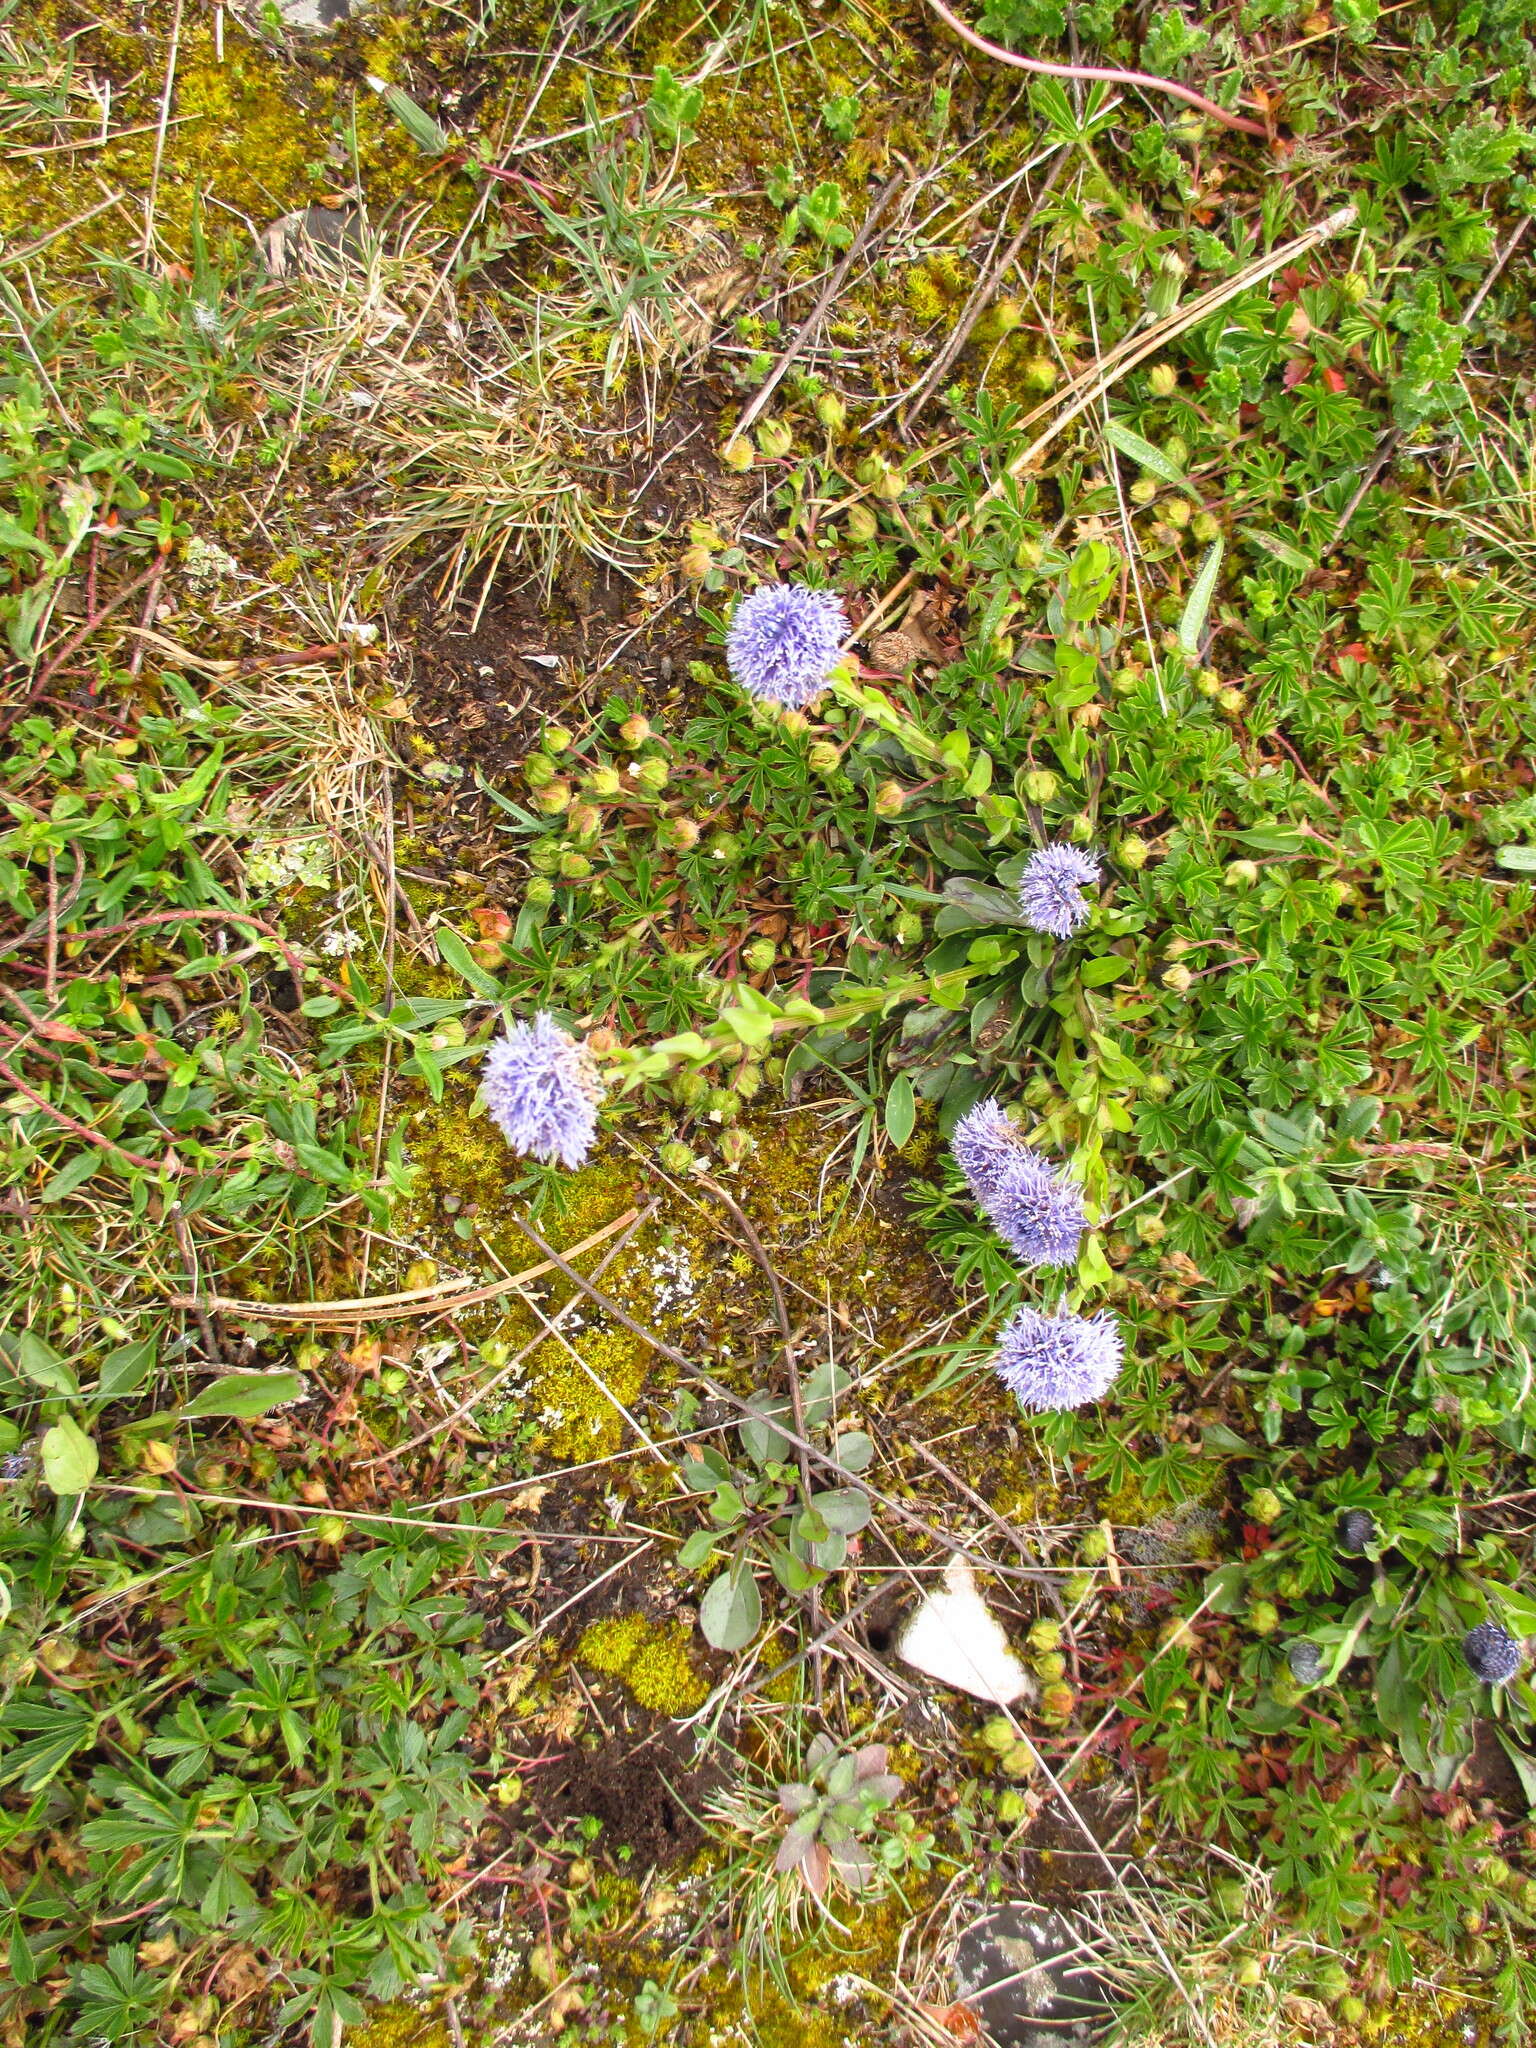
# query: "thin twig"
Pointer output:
{"type": "Point", "coordinates": [195, 1302]}
{"type": "Point", "coordinates": [165, 115]}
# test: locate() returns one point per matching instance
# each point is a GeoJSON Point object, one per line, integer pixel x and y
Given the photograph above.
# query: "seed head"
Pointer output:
{"type": "Point", "coordinates": [1305, 1660]}
{"type": "Point", "coordinates": [1051, 892]}
{"type": "Point", "coordinates": [1492, 1653]}
{"type": "Point", "coordinates": [1356, 1529]}
{"type": "Point", "coordinates": [542, 1088]}
{"type": "Point", "coordinates": [784, 641]}
{"type": "Point", "coordinates": [1058, 1361]}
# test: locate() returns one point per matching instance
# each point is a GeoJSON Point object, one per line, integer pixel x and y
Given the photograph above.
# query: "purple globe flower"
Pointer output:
{"type": "Point", "coordinates": [1051, 891]}
{"type": "Point", "coordinates": [542, 1088]}
{"type": "Point", "coordinates": [783, 643]}
{"type": "Point", "coordinates": [1030, 1203]}
{"type": "Point", "coordinates": [1060, 1360]}
{"type": "Point", "coordinates": [1492, 1653]}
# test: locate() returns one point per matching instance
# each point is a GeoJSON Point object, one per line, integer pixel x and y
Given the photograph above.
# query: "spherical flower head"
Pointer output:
{"type": "Point", "coordinates": [1058, 1361]}
{"type": "Point", "coordinates": [1305, 1660]}
{"type": "Point", "coordinates": [1356, 1529]}
{"type": "Point", "coordinates": [542, 1088]}
{"type": "Point", "coordinates": [1492, 1653]}
{"type": "Point", "coordinates": [1051, 891]}
{"type": "Point", "coordinates": [1027, 1200]}
{"type": "Point", "coordinates": [784, 642]}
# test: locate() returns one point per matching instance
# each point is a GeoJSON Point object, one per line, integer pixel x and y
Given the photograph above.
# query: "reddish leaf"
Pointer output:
{"type": "Point", "coordinates": [1335, 379]}
{"type": "Point", "coordinates": [1296, 371]}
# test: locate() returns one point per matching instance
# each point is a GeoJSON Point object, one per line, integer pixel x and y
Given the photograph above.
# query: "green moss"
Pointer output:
{"type": "Point", "coordinates": [652, 1661]}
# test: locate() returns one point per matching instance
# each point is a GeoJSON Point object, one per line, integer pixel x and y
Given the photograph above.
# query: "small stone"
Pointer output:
{"type": "Point", "coordinates": [1022, 1971]}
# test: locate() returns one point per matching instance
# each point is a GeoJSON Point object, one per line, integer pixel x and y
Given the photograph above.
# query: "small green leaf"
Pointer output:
{"type": "Point", "coordinates": [244, 1394]}
{"type": "Point", "coordinates": [1192, 623]}
{"type": "Point", "coordinates": [1521, 858]}
{"type": "Point", "coordinates": [845, 1507]}
{"type": "Point", "coordinates": [1142, 453]}
{"type": "Point", "coordinates": [731, 1611]}
{"type": "Point", "coordinates": [36, 1360]}
{"type": "Point", "coordinates": [900, 1111]}
{"type": "Point", "coordinates": [457, 956]}
{"type": "Point", "coordinates": [70, 1457]}
{"type": "Point", "coordinates": [74, 1173]}
{"type": "Point", "coordinates": [124, 1370]}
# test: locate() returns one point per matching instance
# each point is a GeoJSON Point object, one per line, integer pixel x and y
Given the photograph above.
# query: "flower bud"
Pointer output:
{"type": "Point", "coordinates": [870, 469]}
{"type": "Point", "coordinates": [1011, 1807]}
{"type": "Point", "coordinates": [652, 775]}
{"type": "Point", "coordinates": [1056, 1703]}
{"type": "Point", "coordinates": [794, 723]}
{"type": "Point", "coordinates": [635, 730]}
{"type": "Point", "coordinates": [724, 847]}
{"type": "Point", "coordinates": [1242, 874]}
{"type": "Point", "coordinates": [544, 857]}
{"type": "Point", "coordinates": [749, 1081]}
{"type": "Point", "coordinates": [1231, 700]}
{"type": "Point", "coordinates": [1176, 448]}
{"type": "Point", "coordinates": [1208, 683]}
{"type": "Point", "coordinates": [1020, 1761]}
{"type": "Point", "coordinates": [554, 799]}
{"type": "Point", "coordinates": [722, 1105]}
{"type": "Point", "coordinates": [890, 485]}
{"type": "Point", "coordinates": [1040, 785]}
{"type": "Point", "coordinates": [689, 1088]}
{"type": "Point", "coordinates": [759, 955]}
{"type": "Point", "coordinates": [540, 893]}
{"type": "Point", "coordinates": [538, 771]}
{"type": "Point", "coordinates": [555, 739]}
{"type": "Point", "coordinates": [1205, 527]}
{"type": "Point", "coordinates": [574, 866]}
{"type": "Point", "coordinates": [1177, 977]}
{"type": "Point", "coordinates": [584, 821]}
{"type": "Point", "coordinates": [605, 783]}
{"type": "Point", "coordinates": [1045, 1634]}
{"type": "Point", "coordinates": [907, 929]}
{"type": "Point", "coordinates": [1265, 1506]}
{"type": "Point", "coordinates": [889, 799]}
{"type": "Point", "coordinates": [695, 562]}
{"type": "Point", "coordinates": [775, 438]}
{"type": "Point", "coordinates": [1143, 490]}
{"type": "Point", "coordinates": [861, 524]}
{"type": "Point", "coordinates": [1163, 379]}
{"type": "Point", "coordinates": [1006, 315]}
{"type": "Point", "coordinates": [823, 757]}
{"type": "Point", "coordinates": [329, 1529]}
{"type": "Point", "coordinates": [1178, 512]}
{"type": "Point", "coordinates": [158, 1456]}
{"type": "Point", "coordinates": [1263, 1617]}
{"type": "Point", "coordinates": [676, 1157]}
{"type": "Point", "coordinates": [738, 454]}
{"type": "Point", "coordinates": [1080, 831]}
{"type": "Point", "coordinates": [681, 834]}
{"type": "Point", "coordinates": [999, 1734]}
{"type": "Point", "coordinates": [1159, 1087]}
{"type": "Point", "coordinates": [1249, 1973]}
{"type": "Point", "coordinates": [734, 1146]}
{"type": "Point", "coordinates": [1094, 1547]}
{"type": "Point", "coordinates": [1125, 682]}
{"type": "Point", "coordinates": [1051, 1666]}
{"type": "Point", "coordinates": [832, 412]}
{"type": "Point", "coordinates": [1134, 852]}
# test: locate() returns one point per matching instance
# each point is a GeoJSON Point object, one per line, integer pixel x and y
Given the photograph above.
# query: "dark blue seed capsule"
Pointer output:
{"type": "Point", "coordinates": [1305, 1660]}
{"type": "Point", "coordinates": [1492, 1653]}
{"type": "Point", "coordinates": [1356, 1529]}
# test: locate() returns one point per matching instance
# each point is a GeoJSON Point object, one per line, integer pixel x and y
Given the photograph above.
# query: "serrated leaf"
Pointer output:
{"type": "Point", "coordinates": [1198, 604]}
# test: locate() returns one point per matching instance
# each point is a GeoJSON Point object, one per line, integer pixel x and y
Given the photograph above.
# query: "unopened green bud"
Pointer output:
{"type": "Point", "coordinates": [775, 438]}
{"type": "Point", "coordinates": [1020, 1761]}
{"type": "Point", "coordinates": [907, 930]}
{"type": "Point", "coordinates": [329, 1529]}
{"type": "Point", "coordinates": [1356, 286]}
{"type": "Point", "coordinates": [653, 775]}
{"type": "Point", "coordinates": [1176, 448]}
{"type": "Point", "coordinates": [1134, 852]}
{"type": "Point", "coordinates": [1006, 315]}
{"type": "Point", "coordinates": [749, 1081]}
{"type": "Point", "coordinates": [724, 847]}
{"type": "Point", "coordinates": [1080, 831]}
{"type": "Point", "coordinates": [1286, 1691]}
{"type": "Point", "coordinates": [1028, 554]}
{"type": "Point", "coordinates": [1038, 374]}
{"type": "Point", "coordinates": [1057, 1703]}
{"type": "Point", "coordinates": [722, 1105]}
{"type": "Point", "coordinates": [681, 834]}
{"type": "Point", "coordinates": [794, 723]}
{"type": "Point", "coordinates": [870, 469]}
{"type": "Point", "coordinates": [635, 730]}
{"type": "Point", "coordinates": [555, 739]}
{"type": "Point", "coordinates": [1242, 874]}
{"type": "Point", "coordinates": [999, 1734]}
{"type": "Point", "coordinates": [540, 893]}
{"type": "Point", "coordinates": [1209, 683]}
{"type": "Point", "coordinates": [738, 454]}
{"type": "Point", "coordinates": [544, 857]}
{"type": "Point", "coordinates": [1125, 682]}
{"type": "Point", "coordinates": [832, 412]}
{"type": "Point", "coordinates": [823, 757]}
{"type": "Point", "coordinates": [889, 798]}
{"type": "Point", "coordinates": [554, 799]}
{"type": "Point", "coordinates": [1178, 512]}
{"type": "Point", "coordinates": [1205, 527]}
{"type": "Point", "coordinates": [1051, 1666]}
{"type": "Point", "coordinates": [689, 1088]}
{"type": "Point", "coordinates": [861, 524]}
{"type": "Point", "coordinates": [1495, 1871]}
{"type": "Point", "coordinates": [538, 771]}
{"type": "Point", "coordinates": [605, 783]}
{"type": "Point", "coordinates": [758, 955]}
{"type": "Point", "coordinates": [1011, 1807]}
{"type": "Point", "coordinates": [1231, 700]}
{"type": "Point", "coordinates": [676, 1157]}
{"type": "Point", "coordinates": [1040, 785]}
{"type": "Point", "coordinates": [1263, 1617]}
{"type": "Point", "coordinates": [1163, 379]}
{"type": "Point", "coordinates": [1159, 1087]}
{"type": "Point", "coordinates": [1265, 1506]}
{"type": "Point", "coordinates": [574, 866]}
{"type": "Point", "coordinates": [1044, 1634]}
{"type": "Point", "coordinates": [890, 485]}
{"type": "Point", "coordinates": [734, 1145]}
{"type": "Point", "coordinates": [1143, 490]}
{"type": "Point", "coordinates": [584, 821]}
{"type": "Point", "coordinates": [1076, 1587]}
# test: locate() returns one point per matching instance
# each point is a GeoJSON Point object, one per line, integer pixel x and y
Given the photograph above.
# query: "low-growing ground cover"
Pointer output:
{"type": "Point", "coordinates": [456, 1588]}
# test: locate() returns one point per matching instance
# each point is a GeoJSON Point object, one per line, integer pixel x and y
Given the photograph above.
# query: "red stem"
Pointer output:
{"type": "Point", "coordinates": [1144, 79]}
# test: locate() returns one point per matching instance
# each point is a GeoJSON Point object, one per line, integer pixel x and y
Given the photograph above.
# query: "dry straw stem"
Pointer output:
{"type": "Point", "coordinates": [1086, 390]}
{"type": "Point", "coordinates": [414, 1301]}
